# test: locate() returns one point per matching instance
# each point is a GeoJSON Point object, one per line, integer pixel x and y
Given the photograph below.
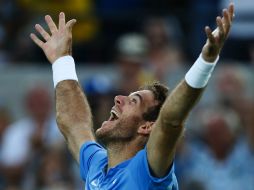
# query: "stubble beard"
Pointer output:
{"type": "Point", "coordinates": [123, 132]}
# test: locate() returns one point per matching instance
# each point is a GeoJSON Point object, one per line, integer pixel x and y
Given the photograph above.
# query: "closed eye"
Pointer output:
{"type": "Point", "coordinates": [134, 100]}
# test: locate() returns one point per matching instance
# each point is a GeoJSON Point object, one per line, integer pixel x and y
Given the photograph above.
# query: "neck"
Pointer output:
{"type": "Point", "coordinates": [119, 152]}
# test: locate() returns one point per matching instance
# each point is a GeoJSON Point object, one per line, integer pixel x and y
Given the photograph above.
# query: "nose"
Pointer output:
{"type": "Point", "coordinates": [119, 100]}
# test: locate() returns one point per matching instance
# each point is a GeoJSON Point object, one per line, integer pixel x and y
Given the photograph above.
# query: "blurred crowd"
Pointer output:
{"type": "Point", "coordinates": [102, 22]}
{"type": "Point", "coordinates": [142, 40]}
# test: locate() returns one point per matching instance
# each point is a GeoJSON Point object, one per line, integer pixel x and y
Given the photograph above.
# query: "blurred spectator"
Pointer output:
{"type": "Point", "coordinates": [131, 59]}
{"type": "Point", "coordinates": [164, 52]}
{"type": "Point", "coordinates": [246, 147]}
{"type": "Point", "coordinates": [217, 163]}
{"type": "Point", "coordinates": [233, 90]}
{"type": "Point", "coordinates": [220, 131]}
{"type": "Point", "coordinates": [185, 160]}
{"type": "Point", "coordinates": [24, 140]}
{"type": "Point", "coordinates": [53, 171]}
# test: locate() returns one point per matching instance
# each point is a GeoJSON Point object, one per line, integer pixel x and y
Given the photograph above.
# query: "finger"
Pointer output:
{"type": "Point", "coordinates": [231, 10]}
{"type": "Point", "coordinates": [209, 34]}
{"type": "Point", "coordinates": [36, 40]}
{"type": "Point", "coordinates": [71, 23]}
{"type": "Point", "coordinates": [220, 26]}
{"type": "Point", "coordinates": [61, 23]}
{"type": "Point", "coordinates": [51, 24]}
{"type": "Point", "coordinates": [226, 21]}
{"type": "Point", "coordinates": [43, 33]}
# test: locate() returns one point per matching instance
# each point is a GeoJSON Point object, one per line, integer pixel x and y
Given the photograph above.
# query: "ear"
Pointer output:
{"type": "Point", "coordinates": [146, 128]}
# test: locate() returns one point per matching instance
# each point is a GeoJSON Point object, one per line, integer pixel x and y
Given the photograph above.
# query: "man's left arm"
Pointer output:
{"type": "Point", "coordinates": [169, 125]}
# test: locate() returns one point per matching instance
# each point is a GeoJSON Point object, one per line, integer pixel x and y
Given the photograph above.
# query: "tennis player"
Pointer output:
{"type": "Point", "coordinates": [144, 127]}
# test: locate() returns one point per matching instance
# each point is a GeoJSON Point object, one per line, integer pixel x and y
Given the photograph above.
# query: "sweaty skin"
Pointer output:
{"type": "Point", "coordinates": [73, 112]}
{"type": "Point", "coordinates": [73, 115]}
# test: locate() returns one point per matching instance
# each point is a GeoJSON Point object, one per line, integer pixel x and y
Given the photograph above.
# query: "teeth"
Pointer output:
{"type": "Point", "coordinates": [114, 114]}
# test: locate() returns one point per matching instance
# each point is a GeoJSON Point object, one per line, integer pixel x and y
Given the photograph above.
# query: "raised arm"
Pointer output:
{"type": "Point", "coordinates": [72, 110]}
{"type": "Point", "coordinates": [169, 126]}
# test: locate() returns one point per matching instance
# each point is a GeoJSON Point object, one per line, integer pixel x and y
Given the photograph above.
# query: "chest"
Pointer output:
{"type": "Point", "coordinates": [114, 180]}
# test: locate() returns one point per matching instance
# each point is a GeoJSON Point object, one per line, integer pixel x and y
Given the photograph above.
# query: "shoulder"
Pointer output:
{"type": "Point", "coordinates": [92, 147]}
{"type": "Point", "coordinates": [91, 154]}
{"type": "Point", "coordinates": [139, 164]}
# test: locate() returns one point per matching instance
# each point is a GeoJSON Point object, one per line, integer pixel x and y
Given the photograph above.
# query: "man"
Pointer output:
{"type": "Point", "coordinates": [131, 160]}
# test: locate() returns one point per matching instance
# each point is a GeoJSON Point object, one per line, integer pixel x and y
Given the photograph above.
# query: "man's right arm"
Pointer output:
{"type": "Point", "coordinates": [168, 128]}
{"type": "Point", "coordinates": [73, 112]}
{"type": "Point", "coordinates": [73, 115]}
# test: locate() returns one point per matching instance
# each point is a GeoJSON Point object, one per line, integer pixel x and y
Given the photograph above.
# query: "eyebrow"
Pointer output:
{"type": "Point", "coordinates": [139, 96]}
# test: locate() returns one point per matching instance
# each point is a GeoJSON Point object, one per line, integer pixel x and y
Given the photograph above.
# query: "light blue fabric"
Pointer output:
{"type": "Point", "coordinates": [131, 174]}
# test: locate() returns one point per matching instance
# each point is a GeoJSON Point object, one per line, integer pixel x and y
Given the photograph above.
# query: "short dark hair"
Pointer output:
{"type": "Point", "coordinates": [160, 92]}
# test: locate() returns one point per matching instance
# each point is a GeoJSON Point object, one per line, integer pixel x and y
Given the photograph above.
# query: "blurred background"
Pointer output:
{"type": "Point", "coordinates": [118, 46]}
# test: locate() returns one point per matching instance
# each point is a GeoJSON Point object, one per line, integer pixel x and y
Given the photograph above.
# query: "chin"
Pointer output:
{"type": "Point", "coordinates": [106, 129]}
{"type": "Point", "coordinates": [102, 134]}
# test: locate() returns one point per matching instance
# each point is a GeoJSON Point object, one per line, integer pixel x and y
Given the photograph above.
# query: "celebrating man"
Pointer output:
{"type": "Point", "coordinates": [142, 131]}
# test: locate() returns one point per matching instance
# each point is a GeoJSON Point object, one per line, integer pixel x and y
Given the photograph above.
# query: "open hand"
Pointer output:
{"type": "Point", "coordinates": [217, 38]}
{"type": "Point", "coordinates": [59, 43]}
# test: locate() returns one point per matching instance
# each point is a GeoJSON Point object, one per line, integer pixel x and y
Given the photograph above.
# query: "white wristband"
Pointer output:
{"type": "Point", "coordinates": [64, 69]}
{"type": "Point", "coordinates": [200, 73]}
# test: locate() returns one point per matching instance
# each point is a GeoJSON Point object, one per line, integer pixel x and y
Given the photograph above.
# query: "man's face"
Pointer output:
{"type": "Point", "coordinates": [125, 117]}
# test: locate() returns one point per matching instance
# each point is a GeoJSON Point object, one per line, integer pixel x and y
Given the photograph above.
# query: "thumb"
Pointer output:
{"type": "Point", "coordinates": [71, 23]}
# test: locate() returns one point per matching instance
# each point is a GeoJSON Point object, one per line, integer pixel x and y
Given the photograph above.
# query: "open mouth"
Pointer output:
{"type": "Point", "coordinates": [113, 115]}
